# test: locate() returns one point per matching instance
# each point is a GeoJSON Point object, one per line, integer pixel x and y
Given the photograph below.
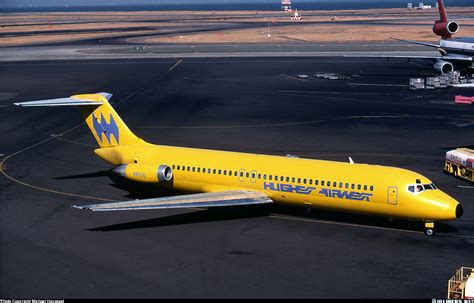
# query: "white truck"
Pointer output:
{"type": "Point", "coordinates": [460, 163]}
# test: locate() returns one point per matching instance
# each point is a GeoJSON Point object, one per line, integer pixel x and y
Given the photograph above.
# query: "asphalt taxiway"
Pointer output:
{"type": "Point", "coordinates": [48, 249]}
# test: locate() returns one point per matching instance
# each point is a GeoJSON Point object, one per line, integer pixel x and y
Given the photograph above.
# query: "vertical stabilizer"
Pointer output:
{"type": "Point", "coordinates": [105, 124]}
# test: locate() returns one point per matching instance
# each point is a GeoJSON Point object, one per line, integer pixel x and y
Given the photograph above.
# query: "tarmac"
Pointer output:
{"type": "Point", "coordinates": [256, 105]}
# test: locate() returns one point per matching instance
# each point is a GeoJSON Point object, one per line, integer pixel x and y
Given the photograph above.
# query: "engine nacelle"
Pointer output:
{"type": "Point", "coordinates": [145, 173]}
{"type": "Point", "coordinates": [443, 67]}
{"type": "Point", "coordinates": [445, 29]}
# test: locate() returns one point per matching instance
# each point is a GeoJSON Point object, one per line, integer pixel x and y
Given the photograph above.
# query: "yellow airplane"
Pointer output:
{"type": "Point", "coordinates": [221, 178]}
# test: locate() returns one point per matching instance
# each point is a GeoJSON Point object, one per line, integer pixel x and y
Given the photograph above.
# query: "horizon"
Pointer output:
{"type": "Point", "coordinates": [118, 3]}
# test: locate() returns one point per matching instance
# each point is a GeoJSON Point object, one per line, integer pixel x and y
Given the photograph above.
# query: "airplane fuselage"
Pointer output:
{"type": "Point", "coordinates": [458, 46]}
{"type": "Point", "coordinates": [361, 188]}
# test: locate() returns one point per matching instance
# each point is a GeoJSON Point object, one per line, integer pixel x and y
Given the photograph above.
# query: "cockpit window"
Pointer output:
{"type": "Point", "coordinates": [418, 188]}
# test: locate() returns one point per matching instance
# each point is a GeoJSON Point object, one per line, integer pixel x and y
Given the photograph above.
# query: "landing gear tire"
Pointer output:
{"type": "Point", "coordinates": [429, 232]}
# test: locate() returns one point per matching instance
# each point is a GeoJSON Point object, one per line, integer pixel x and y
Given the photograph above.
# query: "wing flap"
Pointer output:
{"type": "Point", "coordinates": [215, 199]}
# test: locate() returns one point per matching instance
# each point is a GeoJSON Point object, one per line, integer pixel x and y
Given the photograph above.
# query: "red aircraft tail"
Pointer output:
{"type": "Point", "coordinates": [442, 11]}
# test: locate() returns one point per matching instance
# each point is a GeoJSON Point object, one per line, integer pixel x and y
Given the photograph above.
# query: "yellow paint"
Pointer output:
{"type": "Point", "coordinates": [388, 186]}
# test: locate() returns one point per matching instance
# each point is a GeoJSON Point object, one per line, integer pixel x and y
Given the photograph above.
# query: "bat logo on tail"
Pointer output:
{"type": "Point", "coordinates": [108, 129]}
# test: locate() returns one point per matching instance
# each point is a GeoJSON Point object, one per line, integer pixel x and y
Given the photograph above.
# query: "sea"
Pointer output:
{"type": "Point", "coordinates": [231, 6]}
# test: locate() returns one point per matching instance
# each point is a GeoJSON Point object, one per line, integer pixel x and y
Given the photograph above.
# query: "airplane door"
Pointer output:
{"type": "Point", "coordinates": [241, 175]}
{"type": "Point", "coordinates": [253, 176]}
{"type": "Point", "coordinates": [392, 195]}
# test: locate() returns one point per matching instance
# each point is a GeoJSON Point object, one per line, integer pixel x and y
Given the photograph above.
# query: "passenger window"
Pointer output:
{"type": "Point", "coordinates": [173, 166]}
{"type": "Point", "coordinates": [293, 180]}
{"type": "Point", "coordinates": [358, 186]}
{"type": "Point", "coordinates": [253, 175]}
{"type": "Point", "coordinates": [265, 177]}
{"type": "Point", "coordinates": [316, 182]}
{"type": "Point", "coordinates": [199, 169]}
{"type": "Point", "coordinates": [270, 177]}
{"type": "Point", "coordinates": [322, 183]}
{"type": "Point", "coordinates": [340, 184]}
{"type": "Point", "coordinates": [208, 170]}
{"type": "Point", "coordinates": [365, 187]}
{"type": "Point", "coordinates": [247, 175]}
{"type": "Point", "coordinates": [259, 176]}
{"type": "Point", "coordinates": [334, 184]}
{"type": "Point", "coordinates": [371, 188]}
{"type": "Point", "coordinates": [347, 185]}
{"type": "Point", "coordinates": [194, 169]}
{"type": "Point", "coordinates": [310, 181]}
{"type": "Point", "coordinates": [225, 172]}
{"type": "Point", "coordinates": [220, 171]}
{"type": "Point", "coordinates": [352, 186]}
{"type": "Point", "coordinates": [287, 179]}
{"type": "Point", "coordinates": [214, 171]}
{"type": "Point", "coordinates": [189, 168]}
{"type": "Point", "coordinates": [242, 174]}
{"type": "Point", "coordinates": [304, 181]}
{"type": "Point", "coordinates": [178, 167]}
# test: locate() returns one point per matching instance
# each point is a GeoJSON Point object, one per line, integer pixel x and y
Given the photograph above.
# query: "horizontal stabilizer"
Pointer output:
{"type": "Point", "coordinates": [215, 199]}
{"type": "Point", "coordinates": [71, 101]}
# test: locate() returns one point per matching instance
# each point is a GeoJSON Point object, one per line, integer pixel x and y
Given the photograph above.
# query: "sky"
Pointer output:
{"type": "Point", "coordinates": [20, 3]}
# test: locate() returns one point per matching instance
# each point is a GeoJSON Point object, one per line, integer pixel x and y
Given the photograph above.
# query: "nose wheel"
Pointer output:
{"type": "Point", "coordinates": [429, 228]}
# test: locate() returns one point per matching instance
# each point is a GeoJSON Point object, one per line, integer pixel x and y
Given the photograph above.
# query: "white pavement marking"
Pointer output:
{"type": "Point", "coordinates": [465, 186]}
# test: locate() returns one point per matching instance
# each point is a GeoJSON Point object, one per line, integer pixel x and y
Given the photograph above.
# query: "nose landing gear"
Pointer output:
{"type": "Point", "coordinates": [429, 228]}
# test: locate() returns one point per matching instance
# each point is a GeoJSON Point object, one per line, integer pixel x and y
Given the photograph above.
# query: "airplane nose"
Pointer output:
{"type": "Point", "coordinates": [459, 211]}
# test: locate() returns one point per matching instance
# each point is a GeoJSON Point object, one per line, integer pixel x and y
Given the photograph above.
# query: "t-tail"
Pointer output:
{"type": "Point", "coordinates": [103, 121]}
{"type": "Point", "coordinates": [443, 27]}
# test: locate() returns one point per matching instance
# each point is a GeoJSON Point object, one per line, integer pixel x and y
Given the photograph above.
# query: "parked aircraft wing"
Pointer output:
{"type": "Point", "coordinates": [214, 199]}
{"type": "Point", "coordinates": [450, 57]}
{"type": "Point", "coordinates": [418, 42]}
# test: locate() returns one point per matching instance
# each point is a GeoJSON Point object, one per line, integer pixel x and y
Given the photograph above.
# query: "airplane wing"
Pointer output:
{"type": "Point", "coordinates": [450, 57]}
{"type": "Point", "coordinates": [447, 57]}
{"type": "Point", "coordinates": [418, 42]}
{"type": "Point", "coordinates": [214, 199]}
